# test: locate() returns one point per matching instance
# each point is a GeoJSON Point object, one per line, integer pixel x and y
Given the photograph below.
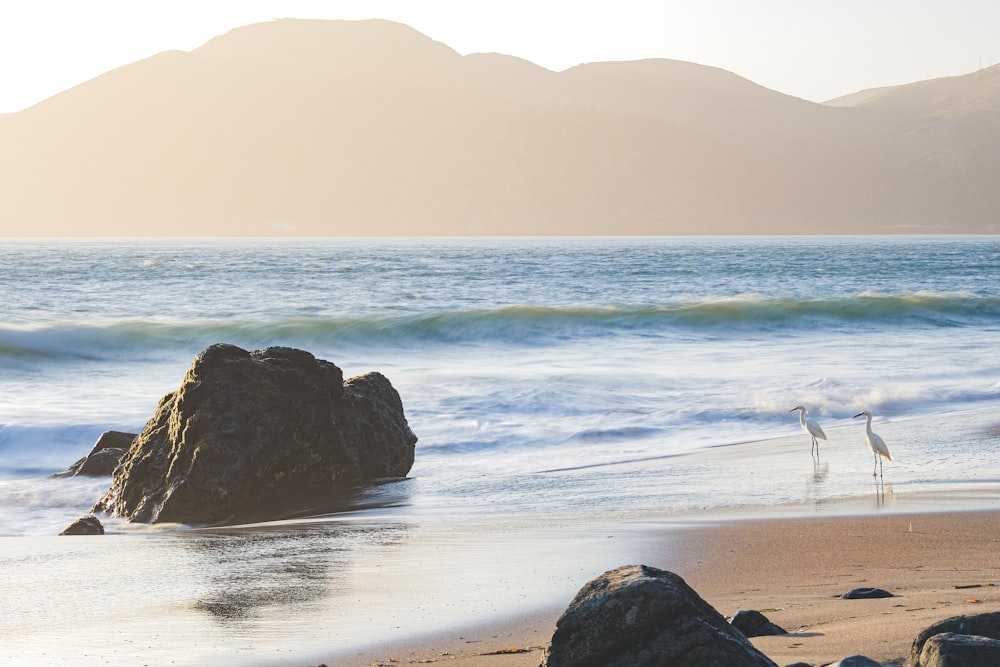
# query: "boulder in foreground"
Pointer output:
{"type": "Point", "coordinates": [950, 649]}
{"type": "Point", "coordinates": [640, 616]}
{"type": "Point", "coordinates": [254, 436]}
{"type": "Point", "coordinates": [974, 638]}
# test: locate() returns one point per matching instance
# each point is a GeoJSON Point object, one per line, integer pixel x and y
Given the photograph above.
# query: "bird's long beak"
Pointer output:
{"type": "Point", "coordinates": [860, 414]}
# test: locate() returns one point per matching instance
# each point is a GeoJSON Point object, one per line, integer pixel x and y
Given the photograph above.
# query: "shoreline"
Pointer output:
{"type": "Point", "coordinates": [841, 531]}
{"type": "Point", "coordinates": [441, 575]}
{"type": "Point", "coordinates": [937, 565]}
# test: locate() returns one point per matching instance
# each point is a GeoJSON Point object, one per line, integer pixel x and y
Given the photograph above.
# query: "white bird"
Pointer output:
{"type": "Point", "coordinates": [875, 442]}
{"type": "Point", "coordinates": [811, 427]}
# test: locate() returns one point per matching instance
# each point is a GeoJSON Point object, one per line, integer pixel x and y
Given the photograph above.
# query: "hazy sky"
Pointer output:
{"type": "Point", "coordinates": [815, 49]}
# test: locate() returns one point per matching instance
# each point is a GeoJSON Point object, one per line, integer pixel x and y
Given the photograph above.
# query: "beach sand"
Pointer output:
{"type": "Point", "coordinates": [937, 565]}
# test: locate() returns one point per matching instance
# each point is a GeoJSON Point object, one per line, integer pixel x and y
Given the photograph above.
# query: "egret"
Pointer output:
{"type": "Point", "coordinates": [875, 442]}
{"type": "Point", "coordinates": [811, 427]}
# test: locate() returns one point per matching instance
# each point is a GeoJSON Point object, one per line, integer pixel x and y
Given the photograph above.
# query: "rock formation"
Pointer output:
{"type": "Point", "coordinates": [252, 436]}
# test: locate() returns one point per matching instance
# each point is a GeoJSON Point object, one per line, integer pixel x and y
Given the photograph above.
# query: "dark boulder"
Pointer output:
{"type": "Point", "coordinates": [104, 456]}
{"type": "Point", "coordinates": [752, 623]}
{"type": "Point", "coordinates": [855, 661]}
{"type": "Point", "coordinates": [949, 649]}
{"type": "Point", "coordinates": [639, 616]}
{"type": "Point", "coordinates": [867, 594]}
{"type": "Point", "coordinates": [86, 525]}
{"type": "Point", "coordinates": [253, 436]}
{"type": "Point", "coordinates": [980, 625]}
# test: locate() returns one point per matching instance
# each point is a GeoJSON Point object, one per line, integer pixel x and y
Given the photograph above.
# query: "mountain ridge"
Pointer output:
{"type": "Point", "coordinates": [364, 128]}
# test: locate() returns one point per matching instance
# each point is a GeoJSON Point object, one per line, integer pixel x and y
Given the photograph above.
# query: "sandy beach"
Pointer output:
{"type": "Point", "coordinates": [937, 565]}
{"type": "Point", "coordinates": [931, 541]}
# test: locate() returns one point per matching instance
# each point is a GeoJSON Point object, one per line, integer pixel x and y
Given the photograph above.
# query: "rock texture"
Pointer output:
{"type": "Point", "coordinates": [104, 456]}
{"type": "Point", "coordinates": [640, 616]}
{"type": "Point", "coordinates": [947, 650]}
{"type": "Point", "coordinates": [253, 436]}
{"type": "Point", "coordinates": [855, 661]}
{"type": "Point", "coordinates": [86, 525]}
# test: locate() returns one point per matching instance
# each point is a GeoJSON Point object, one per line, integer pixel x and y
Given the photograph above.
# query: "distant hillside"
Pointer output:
{"type": "Point", "coordinates": [370, 128]}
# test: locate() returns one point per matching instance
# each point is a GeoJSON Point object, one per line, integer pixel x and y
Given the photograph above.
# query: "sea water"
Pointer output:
{"type": "Point", "coordinates": [544, 377]}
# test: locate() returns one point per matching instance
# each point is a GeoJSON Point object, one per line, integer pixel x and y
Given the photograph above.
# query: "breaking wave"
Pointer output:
{"type": "Point", "coordinates": [518, 325]}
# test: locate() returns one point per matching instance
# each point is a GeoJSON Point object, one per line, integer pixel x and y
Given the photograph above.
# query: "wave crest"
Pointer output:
{"type": "Point", "coordinates": [526, 325]}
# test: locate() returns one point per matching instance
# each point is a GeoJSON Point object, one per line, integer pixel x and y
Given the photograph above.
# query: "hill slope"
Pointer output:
{"type": "Point", "coordinates": [370, 128]}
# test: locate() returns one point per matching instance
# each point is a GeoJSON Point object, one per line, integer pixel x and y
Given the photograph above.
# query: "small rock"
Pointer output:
{"type": "Point", "coordinates": [855, 661]}
{"type": "Point", "coordinates": [752, 623]}
{"type": "Point", "coordinates": [86, 525]}
{"type": "Point", "coordinates": [867, 594]}
{"type": "Point", "coordinates": [104, 456]}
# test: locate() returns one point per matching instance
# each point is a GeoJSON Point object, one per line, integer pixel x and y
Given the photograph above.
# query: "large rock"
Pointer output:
{"type": "Point", "coordinates": [639, 616]}
{"type": "Point", "coordinates": [259, 435]}
{"type": "Point", "coordinates": [104, 456]}
{"type": "Point", "coordinates": [949, 649]}
{"type": "Point", "coordinates": [986, 626]}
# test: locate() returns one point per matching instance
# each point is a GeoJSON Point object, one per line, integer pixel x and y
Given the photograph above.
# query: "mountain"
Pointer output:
{"type": "Point", "coordinates": [370, 128]}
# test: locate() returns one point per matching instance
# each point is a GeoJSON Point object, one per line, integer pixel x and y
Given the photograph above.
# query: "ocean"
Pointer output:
{"type": "Point", "coordinates": [551, 382]}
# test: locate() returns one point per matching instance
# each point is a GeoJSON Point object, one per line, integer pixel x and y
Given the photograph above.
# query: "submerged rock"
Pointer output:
{"type": "Point", "coordinates": [252, 436]}
{"type": "Point", "coordinates": [104, 456]}
{"type": "Point", "coordinates": [642, 616]}
{"type": "Point", "coordinates": [86, 525]}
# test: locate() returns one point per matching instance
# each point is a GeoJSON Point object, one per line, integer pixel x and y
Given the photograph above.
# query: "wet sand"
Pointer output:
{"type": "Point", "coordinates": [929, 536]}
{"type": "Point", "coordinates": [937, 565]}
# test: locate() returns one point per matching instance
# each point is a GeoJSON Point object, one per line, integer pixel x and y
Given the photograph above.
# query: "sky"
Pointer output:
{"type": "Point", "coordinates": [813, 49]}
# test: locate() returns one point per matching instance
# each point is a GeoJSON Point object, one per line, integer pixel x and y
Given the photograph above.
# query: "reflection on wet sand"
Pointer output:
{"type": "Point", "coordinates": [251, 569]}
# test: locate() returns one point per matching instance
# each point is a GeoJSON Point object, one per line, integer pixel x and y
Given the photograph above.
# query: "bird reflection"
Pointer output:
{"type": "Point", "coordinates": [880, 493]}
{"type": "Point", "coordinates": [820, 470]}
